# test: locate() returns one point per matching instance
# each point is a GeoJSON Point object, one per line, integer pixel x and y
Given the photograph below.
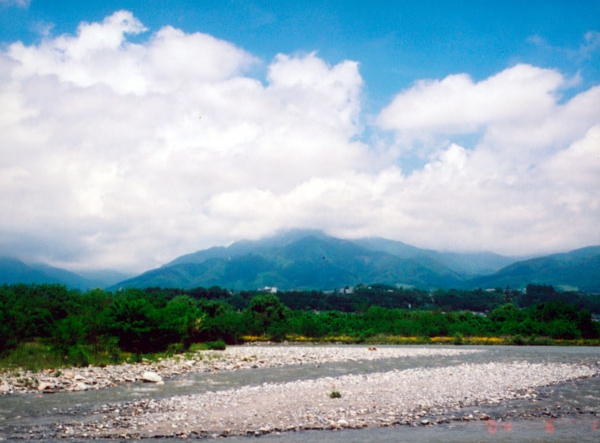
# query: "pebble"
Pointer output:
{"type": "Point", "coordinates": [376, 399]}
{"type": "Point", "coordinates": [234, 358]}
{"type": "Point", "coordinates": [417, 397]}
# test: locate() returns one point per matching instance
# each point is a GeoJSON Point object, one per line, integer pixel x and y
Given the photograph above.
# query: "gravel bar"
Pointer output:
{"type": "Point", "coordinates": [234, 358]}
{"type": "Point", "coordinates": [411, 396]}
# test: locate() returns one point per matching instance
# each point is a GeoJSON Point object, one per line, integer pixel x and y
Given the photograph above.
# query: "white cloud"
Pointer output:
{"type": "Point", "coordinates": [563, 124]}
{"type": "Point", "coordinates": [577, 167]}
{"type": "Point", "coordinates": [121, 154]}
{"type": "Point", "coordinates": [128, 140]}
{"type": "Point", "coordinates": [177, 58]}
{"type": "Point", "coordinates": [457, 105]}
{"type": "Point", "coordinates": [98, 54]}
{"type": "Point", "coordinates": [529, 177]}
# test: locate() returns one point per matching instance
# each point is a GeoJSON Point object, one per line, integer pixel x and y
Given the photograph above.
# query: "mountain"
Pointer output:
{"type": "Point", "coordinates": [102, 278]}
{"type": "Point", "coordinates": [14, 271]}
{"type": "Point", "coordinates": [575, 270]}
{"type": "Point", "coordinates": [469, 264]}
{"type": "Point", "coordinates": [302, 260]}
{"type": "Point", "coordinates": [396, 248]}
{"type": "Point", "coordinates": [307, 259]}
{"type": "Point", "coordinates": [244, 247]}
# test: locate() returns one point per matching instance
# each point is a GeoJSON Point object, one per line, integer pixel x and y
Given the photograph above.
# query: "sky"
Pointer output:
{"type": "Point", "coordinates": [132, 132]}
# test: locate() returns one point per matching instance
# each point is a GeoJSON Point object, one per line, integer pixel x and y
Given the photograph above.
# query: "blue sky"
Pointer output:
{"type": "Point", "coordinates": [132, 137]}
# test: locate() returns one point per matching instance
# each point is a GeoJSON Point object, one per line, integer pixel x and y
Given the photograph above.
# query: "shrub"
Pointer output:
{"type": "Point", "coordinates": [78, 356]}
{"type": "Point", "coordinates": [518, 340]}
{"type": "Point", "coordinates": [218, 345]}
{"type": "Point", "coordinates": [458, 339]}
{"type": "Point", "coordinates": [175, 348]}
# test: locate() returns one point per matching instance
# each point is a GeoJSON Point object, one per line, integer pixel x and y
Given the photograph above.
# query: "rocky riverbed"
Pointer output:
{"type": "Point", "coordinates": [233, 358]}
{"type": "Point", "coordinates": [423, 396]}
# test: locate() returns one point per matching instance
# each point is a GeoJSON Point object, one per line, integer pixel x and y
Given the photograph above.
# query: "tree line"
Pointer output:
{"type": "Point", "coordinates": [98, 325]}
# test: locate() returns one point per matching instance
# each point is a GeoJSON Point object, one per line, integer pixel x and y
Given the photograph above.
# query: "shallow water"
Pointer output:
{"type": "Point", "coordinates": [576, 405]}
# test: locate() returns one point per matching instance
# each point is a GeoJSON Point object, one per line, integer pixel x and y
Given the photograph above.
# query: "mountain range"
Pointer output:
{"type": "Point", "coordinates": [14, 271]}
{"type": "Point", "coordinates": [304, 259]}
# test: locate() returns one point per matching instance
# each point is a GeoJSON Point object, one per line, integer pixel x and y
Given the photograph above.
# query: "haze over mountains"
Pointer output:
{"type": "Point", "coordinates": [301, 259]}
{"type": "Point", "coordinates": [13, 271]}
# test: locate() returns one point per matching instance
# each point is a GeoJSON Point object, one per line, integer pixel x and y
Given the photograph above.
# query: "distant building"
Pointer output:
{"type": "Point", "coordinates": [269, 289]}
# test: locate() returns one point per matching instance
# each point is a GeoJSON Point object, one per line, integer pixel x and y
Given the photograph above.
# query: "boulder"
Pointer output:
{"type": "Point", "coordinates": [5, 388]}
{"type": "Point", "coordinates": [45, 387]}
{"type": "Point", "coordinates": [151, 377]}
{"type": "Point", "coordinates": [80, 386]}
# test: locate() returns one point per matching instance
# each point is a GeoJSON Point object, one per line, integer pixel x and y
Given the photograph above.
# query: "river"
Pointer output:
{"type": "Point", "coordinates": [564, 412]}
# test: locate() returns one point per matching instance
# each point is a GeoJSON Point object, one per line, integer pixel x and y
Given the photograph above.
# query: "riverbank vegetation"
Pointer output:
{"type": "Point", "coordinates": [52, 326]}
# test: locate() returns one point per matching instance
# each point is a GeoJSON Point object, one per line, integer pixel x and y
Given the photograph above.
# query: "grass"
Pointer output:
{"type": "Point", "coordinates": [36, 356]}
{"type": "Point", "coordinates": [218, 345]}
{"type": "Point", "coordinates": [32, 357]}
{"type": "Point", "coordinates": [335, 394]}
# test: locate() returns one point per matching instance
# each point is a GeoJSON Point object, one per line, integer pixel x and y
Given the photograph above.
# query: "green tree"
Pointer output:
{"type": "Point", "coordinates": [179, 321]}
{"type": "Point", "coordinates": [132, 321]}
{"type": "Point", "coordinates": [220, 321]}
{"type": "Point", "coordinates": [69, 337]}
{"type": "Point", "coordinates": [265, 313]}
{"type": "Point", "coordinates": [306, 323]}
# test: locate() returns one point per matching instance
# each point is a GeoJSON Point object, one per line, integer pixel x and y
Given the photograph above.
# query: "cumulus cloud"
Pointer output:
{"type": "Point", "coordinates": [508, 181]}
{"type": "Point", "coordinates": [125, 154]}
{"type": "Point", "coordinates": [574, 170]}
{"type": "Point", "coordinates": [457, 105]}
{"type": "Point", "coordinates": [130, 144]}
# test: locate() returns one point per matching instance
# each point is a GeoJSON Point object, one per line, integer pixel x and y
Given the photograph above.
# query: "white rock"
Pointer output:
{"type": "Point", "coordinates": [79, 386]}
{"type": "Point", "coordinates": [45, 387]}
{"type": "Point", "coordinates": [5, 388]}
{"type": "Point", "coordinates": [151, 377]}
